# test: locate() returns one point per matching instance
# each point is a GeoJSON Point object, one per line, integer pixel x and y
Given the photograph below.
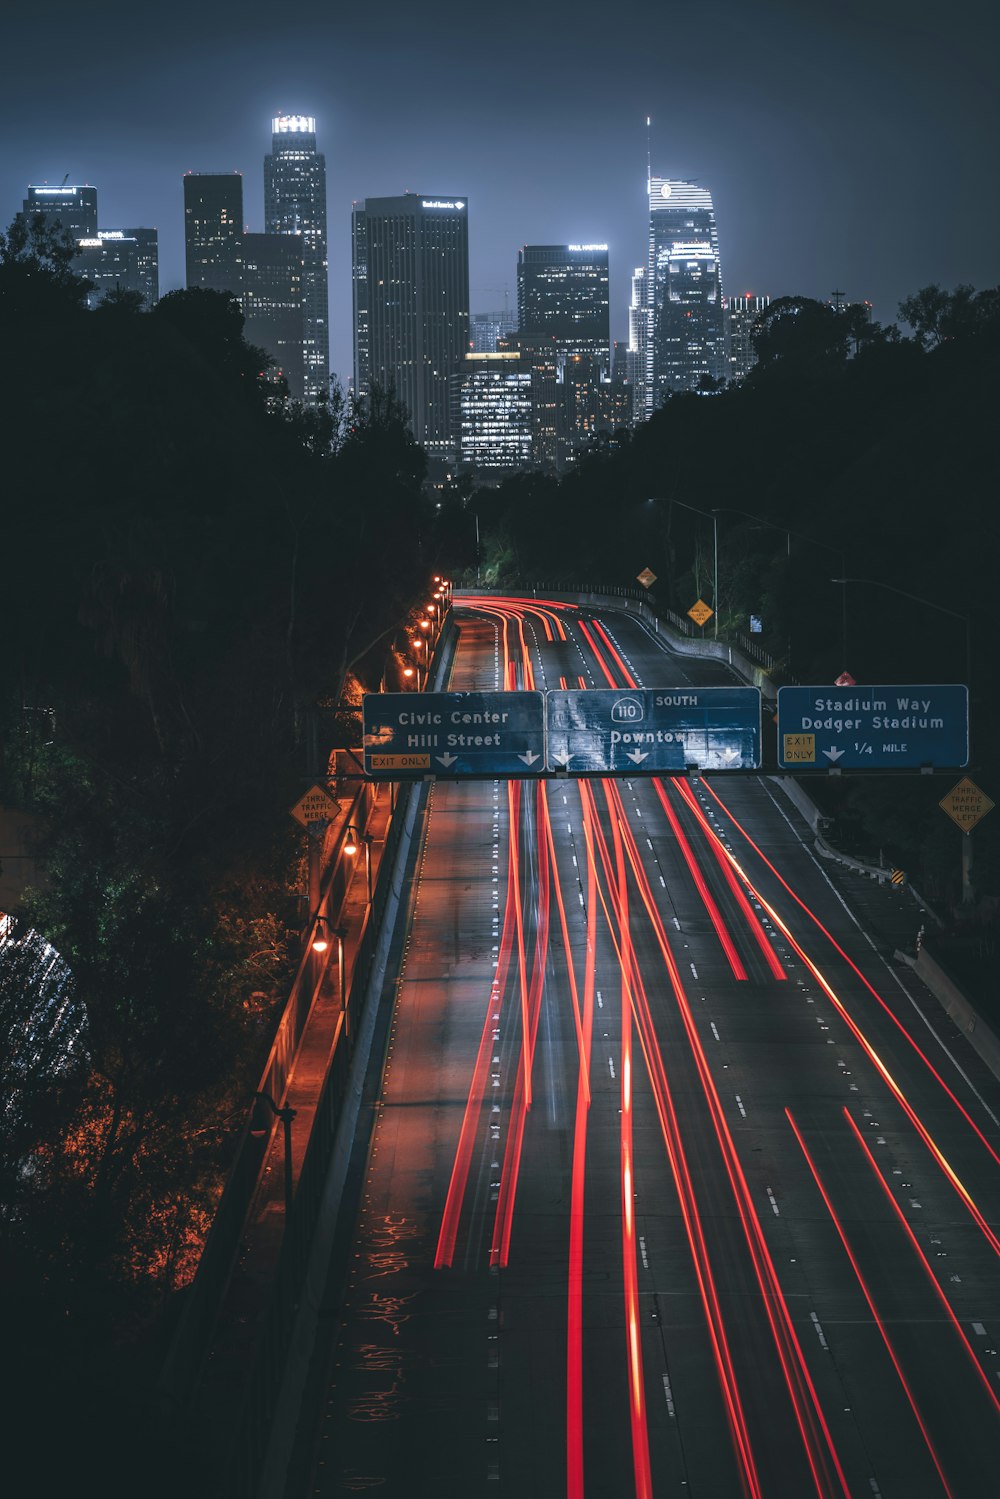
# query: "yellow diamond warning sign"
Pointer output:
{"type": "Point", "coordinates": [647, 577]}
{"type": "Point", "coordinates": [800, 748]}
{"type": "Point", "coordinates": [700, 612]}
{"type": "Point", "coordinates": [966, 804]}
{"type": "Point", "coordinates": [317, 805]}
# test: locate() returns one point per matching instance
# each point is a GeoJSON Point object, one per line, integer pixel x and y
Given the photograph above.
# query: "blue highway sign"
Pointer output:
{"type": "Point", "coordinates": [453, 734]}
{"type": "Point", "coordinates": [873, 728]}
{"type": "Point", "coordinates": [654, 729]}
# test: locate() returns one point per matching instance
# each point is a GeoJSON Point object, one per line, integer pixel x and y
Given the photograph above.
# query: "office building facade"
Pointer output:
{"type": "Point", "coordinates": [361, 382]}
{"type": "Point", "coordinates": [411, 303]}
{"type": "Point", "coordinates": [492, 398]}
{"type": "Point", "coordinates": [113, 259]}
{"type": "Point", "coordinates": [119, 260]}
{"type": "Point", "coordinates": [295, 204]}
{"type": "Point", "coordinates": [73, 209]}
{"type": "Point", "coordinates": [564, 335]}
{"type": "Point", "coordinates": [563, 301]}
{"type": "Point", "coordinates": [486, 329]}
{"type": "Point", "coordinates": [213, 231]}
{"type": "Point", "coordinates": [686, 323]}
{"type": "Point", "coordinates": [273, 303]}
{"type": "Point", "coordinates": [638, 344]}
{"type": "Point", "coordinates": [742, 313]}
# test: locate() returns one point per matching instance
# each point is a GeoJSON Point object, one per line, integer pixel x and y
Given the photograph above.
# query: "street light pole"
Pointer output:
{"type": "Point", "coordinates": [715, 552]}
{"type": "Point", "coordinates": [928, 603]}
{"type": "Point", "coordinates": [286, 1115]}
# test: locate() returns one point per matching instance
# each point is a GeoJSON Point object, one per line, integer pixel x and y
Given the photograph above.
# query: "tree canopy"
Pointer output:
{"type": "Point", "coordinates": [850, 451]}
{"type": "Point", "coordinates": [190, 564]}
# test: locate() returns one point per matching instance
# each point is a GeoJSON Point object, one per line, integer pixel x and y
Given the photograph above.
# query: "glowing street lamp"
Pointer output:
{"type": "Point", "coordinates": [320, 944]}
{"type": "Point", "coordinates": [351, 847]}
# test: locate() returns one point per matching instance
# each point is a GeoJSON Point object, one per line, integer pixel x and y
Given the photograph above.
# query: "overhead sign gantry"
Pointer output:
{"type": "Point", "coordinates": [454, 734]}
{"type": "Point", "coordinates": [873, 728]}
{"type": "Point", "coordinates": [659, 729]}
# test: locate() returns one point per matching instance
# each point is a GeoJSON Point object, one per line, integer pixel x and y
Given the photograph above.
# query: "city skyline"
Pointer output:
{"type": "Point", "coordinates": [818, 135]}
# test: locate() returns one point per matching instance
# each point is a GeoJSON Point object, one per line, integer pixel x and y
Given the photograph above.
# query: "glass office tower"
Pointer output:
{"type": "Point", "coordinates": [295, 203]}
{"type": "Point", "coordinates": [120, 260]}
{"type": "Point", "coordinates": [213, 231]}
{"type": "Point", "coordinates": [487, 328]}
{"type": "Point", "coordinates": [493, 417]}
{"type": "Point", "coordinates": [687, 329]}
{"type": "Point", "coordinates": [564, 335]}
{"type": "Point", "coordinates": [411, 307]}
{"type": "Point", "coordinates": [743, 313]}
{"type": "Point", "coordinates": [273, 271]}
{"type": "Point", "coordinates": [72, 208]}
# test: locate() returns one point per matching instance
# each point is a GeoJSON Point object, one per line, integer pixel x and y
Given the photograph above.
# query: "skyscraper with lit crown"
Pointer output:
{"type": "Point", "coordinates": [295, 203]}
{"type": "Point", "coordinates": [686, 322]}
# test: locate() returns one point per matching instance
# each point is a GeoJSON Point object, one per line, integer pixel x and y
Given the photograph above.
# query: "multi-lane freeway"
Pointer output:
{"type": "Point", "coordinates": [676, 1185]}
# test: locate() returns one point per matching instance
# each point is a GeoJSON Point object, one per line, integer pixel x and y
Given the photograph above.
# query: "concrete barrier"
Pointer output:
{"type": "Point", "coordinates": [980, 1035]}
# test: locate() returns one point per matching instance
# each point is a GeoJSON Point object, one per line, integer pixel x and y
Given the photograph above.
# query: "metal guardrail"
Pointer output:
{"type": "Point", "coordinates": [252, 1435]}
{"type": "Point", "coordinates": [677, 622]}
{"type": "Point", "coordinates": [192, 1338]}
{"type": "Point", "coordinates": [251, 1438]}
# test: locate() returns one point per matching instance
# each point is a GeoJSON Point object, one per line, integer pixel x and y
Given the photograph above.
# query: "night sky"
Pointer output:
{"type": "Point", "coordinates": [846, 146]}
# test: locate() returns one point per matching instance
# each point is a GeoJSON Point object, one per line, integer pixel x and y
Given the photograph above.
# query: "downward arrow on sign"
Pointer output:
{"type": "Point", "coordinates": [529, 757]}
{"type": "Point", "coordinates": [833, 754]}
{"type": "Point", "coordinates": [562, 759]}
{"type": "Point", "coordinates": [637, 756]}
{"type": "Point", "coordinates": [446, 760]}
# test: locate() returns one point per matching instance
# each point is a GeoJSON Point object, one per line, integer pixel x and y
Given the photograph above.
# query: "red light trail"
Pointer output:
{"type": "Point", "coordinates": [876, 1318]}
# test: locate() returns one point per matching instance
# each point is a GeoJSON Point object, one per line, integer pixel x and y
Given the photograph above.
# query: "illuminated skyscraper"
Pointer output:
{"type": "Point", "coordinates": [564, 334]}
{"type": "Point", "coordinates": [295, 203]}
{"type": "Point", "coordinates": [74, 208]}
{"type": "Point", "coordinates": [485, 328]}
{"type": "Point", "coordinates": [687, 331]}
{"type": "Point", "coordinates": [411, 307]}
{"type": "Point", "coordinates": [359, 297]}
{"type": "Point", "coordinates": [638, 344]}
{"type": "Point", "coordinates": [213, 231]}
{"type": "Point", "coordinates": [492, 419]}
{"type": "Point", "coordinates": [562, 299]}
{"type": "Point", "coordinates": [742, 313]}
{"type": "Point", "coordinates": [273, 302]}
{"type": "Point", "coordinates": [119, 260]}
{"type": "Point", "coordinates": [114, 259]}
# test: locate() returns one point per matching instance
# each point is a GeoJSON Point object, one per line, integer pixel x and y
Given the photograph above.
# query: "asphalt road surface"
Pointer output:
{"type": "Point", "coordinates": [673, 1188]}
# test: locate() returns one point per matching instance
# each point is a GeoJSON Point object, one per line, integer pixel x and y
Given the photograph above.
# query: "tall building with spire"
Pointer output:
{"type": "Point", "coordinates": [686, 321]}
{"type": "Point", "coordinates": [295, 203]}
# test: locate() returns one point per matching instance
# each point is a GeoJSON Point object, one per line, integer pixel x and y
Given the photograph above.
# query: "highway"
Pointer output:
{"type": "Point", "coordinates": [675, 1185]}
